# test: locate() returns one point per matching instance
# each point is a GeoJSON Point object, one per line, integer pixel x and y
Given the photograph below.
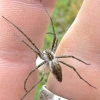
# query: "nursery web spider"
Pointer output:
{"type": "Point", "coordinates": [48, 57]}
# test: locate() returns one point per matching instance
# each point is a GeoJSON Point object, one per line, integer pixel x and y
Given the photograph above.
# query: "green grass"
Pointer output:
{"type": "Point", "coordinates": [63, 16]}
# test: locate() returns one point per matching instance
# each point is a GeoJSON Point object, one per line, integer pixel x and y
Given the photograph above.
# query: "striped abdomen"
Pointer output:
{"type": "Point", "coordinates": [56, 69]}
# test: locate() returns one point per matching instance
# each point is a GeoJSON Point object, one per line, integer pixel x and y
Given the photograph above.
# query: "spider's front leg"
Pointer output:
{"type": "Point", "coordinates": [55, 40]}
{"type": "Point", "coordinates": [36, 50]}
{"type": "Point", "coordinates": [77, 73]}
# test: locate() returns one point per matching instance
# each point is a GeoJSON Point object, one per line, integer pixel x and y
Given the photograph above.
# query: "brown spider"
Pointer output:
{"type": "Point", "coordinates": [49, 58]}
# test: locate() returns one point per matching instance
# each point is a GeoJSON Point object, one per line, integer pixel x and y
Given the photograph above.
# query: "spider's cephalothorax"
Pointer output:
{"type": "Point", "coordinates": [48, 55]}
{"type": "Point", "coordinates": [48, 58]}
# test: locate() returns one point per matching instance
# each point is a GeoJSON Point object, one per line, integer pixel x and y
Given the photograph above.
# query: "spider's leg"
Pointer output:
{"type": "Point", "coordinates": [76, 73]}
{"type": "Point", "coordinates": [55, 40]}
{"type": "Point", "coordinates": [24, 35]}
{"type": "Point", "coordinates": [31, 73]}
{"type": "Point", "coordinates": [70, 56]}
{"type": "Point", "coordinates": [27, 44]}
{"type": "Point", "coordinates": [43, 74]}
{"type": "Point", "coordinates": [33, 87]}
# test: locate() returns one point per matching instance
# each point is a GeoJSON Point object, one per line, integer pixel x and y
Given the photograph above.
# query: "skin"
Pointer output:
{"type": "Point", "coordinates": [81, 40]}
{"type": "Point", "coordinates": [16, 59]}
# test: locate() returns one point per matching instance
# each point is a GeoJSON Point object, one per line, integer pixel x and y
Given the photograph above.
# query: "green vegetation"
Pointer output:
{"type": "Point", "coordinates": [63, 16]}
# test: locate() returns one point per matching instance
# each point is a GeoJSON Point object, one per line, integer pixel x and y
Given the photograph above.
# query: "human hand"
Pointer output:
{"type": "Point", "coordinates": [82, 41]}
{"type": "Point", "coordinates": [16, 58]}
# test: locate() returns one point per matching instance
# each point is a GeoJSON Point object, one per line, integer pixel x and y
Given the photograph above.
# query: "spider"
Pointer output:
{"type": "Point", "coordinates": [49, 58]}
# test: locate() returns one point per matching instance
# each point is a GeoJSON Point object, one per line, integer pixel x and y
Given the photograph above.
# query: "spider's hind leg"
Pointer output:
{"type": "Point", "coordinates": [77, 73]}
{"type": "Point", "coordinates": [30, 74]}
{"type": "Point", "coordinates": [33, 87]}
{"type": "Point", "coordinates": [42, 77]}
{"type": "Point", "coordinates": [70, 56]}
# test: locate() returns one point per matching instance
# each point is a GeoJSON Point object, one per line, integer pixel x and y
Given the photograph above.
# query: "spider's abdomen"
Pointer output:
{"type": "Point", "coordinates": [56, 69]}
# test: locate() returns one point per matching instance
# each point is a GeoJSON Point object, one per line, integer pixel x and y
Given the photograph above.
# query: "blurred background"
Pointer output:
{"type": "Point", "coordinates": [63, 16]}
